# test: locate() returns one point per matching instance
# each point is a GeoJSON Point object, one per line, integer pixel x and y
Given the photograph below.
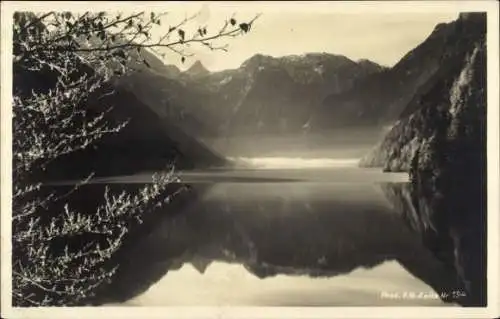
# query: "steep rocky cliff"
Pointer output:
{"type": "Point", "coordinates": [446, 117]}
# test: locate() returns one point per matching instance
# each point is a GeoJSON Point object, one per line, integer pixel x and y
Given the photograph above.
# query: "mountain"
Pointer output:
{"type": "Point", "coordinates": [169, 70]}
{"type": "Point", "coordinates": [170, 97]}
{"type": "Point", "coordinates": [149, 142]}
{"type": "Point", "coordinates": [197, 70]}
{"type": "Point", "coordinates": [370, 64]}
{"type": "Point", "coordinates": [448, 110]}
{"type": "Point", "coordinates": [277, 95]}
{"type": "Point", "coordinates": [315, 91]}
{"type": "Point", "coordinates": [265, 94]}
{"type": "Point", "coordinates": [380, 98]}
{"type": "Point", "coordinates": [152, 63]}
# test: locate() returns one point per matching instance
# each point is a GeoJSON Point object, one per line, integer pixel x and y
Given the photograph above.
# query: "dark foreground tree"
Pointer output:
{"type": "Point", "coordinates": [61, 255]}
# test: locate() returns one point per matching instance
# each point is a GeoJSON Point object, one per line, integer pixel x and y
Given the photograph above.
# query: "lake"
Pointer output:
{"type": "Point", "coordinates": [282, 232]}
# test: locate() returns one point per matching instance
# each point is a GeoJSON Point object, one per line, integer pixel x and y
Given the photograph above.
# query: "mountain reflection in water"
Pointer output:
{"type": "Point", "coordinates": [231, 284]}
{"type": "Point", "coordinates": [304, 243]}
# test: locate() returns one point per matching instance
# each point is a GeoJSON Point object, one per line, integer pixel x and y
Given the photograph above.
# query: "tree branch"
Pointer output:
{"type": "Point", "coordinates": [38, 19]}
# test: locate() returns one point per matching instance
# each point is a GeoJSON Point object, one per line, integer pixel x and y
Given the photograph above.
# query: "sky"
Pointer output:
{"type": "Point", "coordinates": [378, 36]}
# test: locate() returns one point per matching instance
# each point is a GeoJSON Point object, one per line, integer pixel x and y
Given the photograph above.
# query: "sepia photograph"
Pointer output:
{"type": "Point", "coordinates": [249, 159]}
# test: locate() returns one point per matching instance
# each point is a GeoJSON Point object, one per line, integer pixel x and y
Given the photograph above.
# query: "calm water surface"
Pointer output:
{"type": "Point", "coordinates": [282, 234]}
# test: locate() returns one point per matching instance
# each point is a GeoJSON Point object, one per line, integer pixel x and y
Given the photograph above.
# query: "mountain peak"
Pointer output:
{"type": "Point", "coordinates": [308, 58]}
{"type": "Point", "coordinates": [197, 69]}
{"type": "Point", "coordinates": [256, 60]}
{"type": "Point", "coordinates": [370, 64]}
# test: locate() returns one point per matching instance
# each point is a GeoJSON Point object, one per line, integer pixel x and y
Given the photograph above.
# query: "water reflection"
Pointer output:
{"type": "Point", "coordinates": [231, 284]}
{"type": "Point", "coordinates": [326, 244]}
{"type": "Point", "coordinates": [452, 225]}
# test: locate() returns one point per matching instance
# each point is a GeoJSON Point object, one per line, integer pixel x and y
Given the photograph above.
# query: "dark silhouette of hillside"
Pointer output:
{"type": "Point", "coordinates": [147, 143]}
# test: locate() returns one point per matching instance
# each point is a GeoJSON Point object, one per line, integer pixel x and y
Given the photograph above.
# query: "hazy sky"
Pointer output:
{"type": "Point", "coordinates": [380, 37]}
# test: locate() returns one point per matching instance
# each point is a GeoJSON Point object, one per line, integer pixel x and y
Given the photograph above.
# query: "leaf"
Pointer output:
{"type": "Point", "coordinates": [182, 34]}
{"type": "Point", "coordinates": [245, 27]}
{"type": "Point", "coordinates": [183, 59]}
{"type": "Point", "coordinates": [232, 21]}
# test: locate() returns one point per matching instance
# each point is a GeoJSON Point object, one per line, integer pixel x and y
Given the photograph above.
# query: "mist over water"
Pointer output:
{"type": "Point", "coordinates": [346, 143]}
{"type": "Point", "coordinates": [293, 162]}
